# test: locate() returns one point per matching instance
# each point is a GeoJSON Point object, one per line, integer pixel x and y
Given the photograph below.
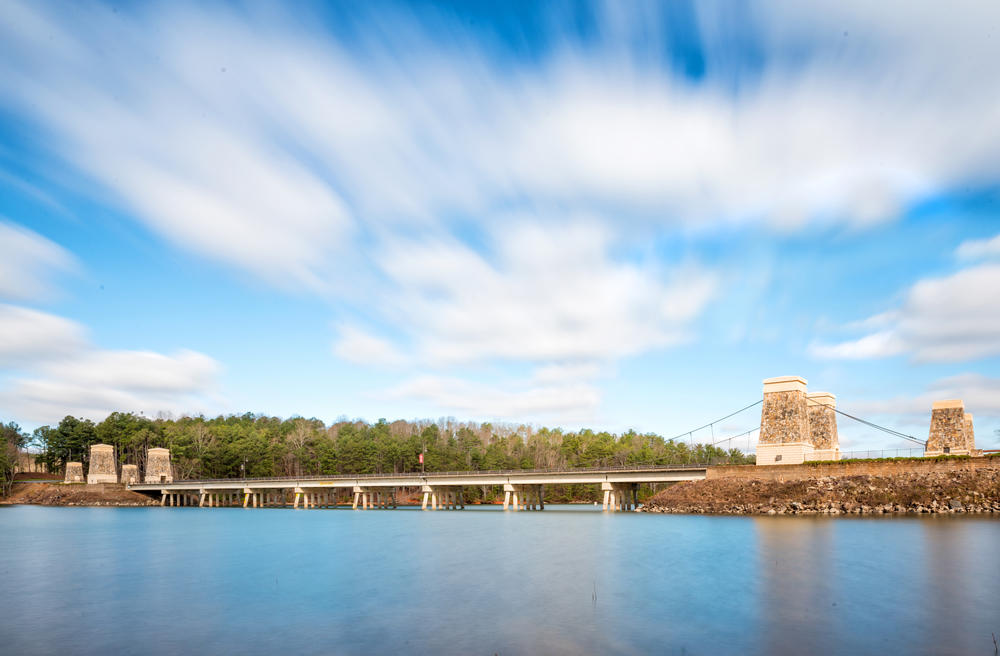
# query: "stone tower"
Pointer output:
{"type": "Point", "coordinates": [950, 433]}
{"type": "Point", "coordinates": [74, 472]}
{"type": "Point", "coordinates": [102, 464]}
{"type": "Point", "coordinates": [970, 434]}
{"type": "Point", "coordinates": [823, 425]}
{"type": "Point", "coordinates": [130, 474]}
{"type": "Point", "coordinates": [158, 466]}
{"type": "Point", "coordinates": [784, 423]}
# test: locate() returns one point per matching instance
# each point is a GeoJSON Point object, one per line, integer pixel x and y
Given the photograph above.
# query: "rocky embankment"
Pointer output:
{"type": "Point", "coordinates": [59, 494]}
{"type": "Point", "coordinates": [923, 493]}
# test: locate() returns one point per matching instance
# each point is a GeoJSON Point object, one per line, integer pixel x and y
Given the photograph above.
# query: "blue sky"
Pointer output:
{"type": "Point", "coordinates": [614, 215]}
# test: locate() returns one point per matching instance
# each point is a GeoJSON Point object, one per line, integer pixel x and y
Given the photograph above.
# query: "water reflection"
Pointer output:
{"type": "Point", "coordinates": [794, 566]}
{"type": "Point", "coordinates": [564, 581]}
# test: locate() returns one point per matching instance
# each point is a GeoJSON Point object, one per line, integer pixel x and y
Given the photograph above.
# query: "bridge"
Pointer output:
{"type": "Point", "coordinates": [523, 489]}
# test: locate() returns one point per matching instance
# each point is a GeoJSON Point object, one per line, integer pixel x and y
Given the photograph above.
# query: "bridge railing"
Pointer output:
{"type": "Point", "coordinates": [915, 452]}
{"type": "Point", "coordinates": [479, 472]}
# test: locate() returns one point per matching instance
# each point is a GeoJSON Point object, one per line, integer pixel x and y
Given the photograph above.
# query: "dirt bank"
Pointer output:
{"type": "Point", "coordinates": [78, 494]}
{"type": "Point", "coordinates": [935, 492]}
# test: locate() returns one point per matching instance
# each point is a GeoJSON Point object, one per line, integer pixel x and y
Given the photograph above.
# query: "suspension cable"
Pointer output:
{"type": "Point", "coordinates": [735, 436]}
{"type": "Point", "coordinates": [884, 429]}
{"type": "Point", "coordinates": [709, 424]}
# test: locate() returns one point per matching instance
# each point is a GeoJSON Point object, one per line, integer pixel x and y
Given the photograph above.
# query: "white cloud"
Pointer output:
{"type": "Point", "coordinates": [355, 345]}
{"type": "Point", "coordinates": [950, 319]}
{"type": "Point", "coordinates": [27, 261]}
{"type": "Point", "coordinates": [981, 395]}
{"type": "Point", "coordinates": [29, 336]}
{"type": "Point", "coordinates": [542, 294]}
{"type": "Point", "coordinates": [567, 402]}
{"type": "Point", "coordinates": [254, 139]}
{"type": "Point", "coordinates": [53, 370]}
{"type": "Point", "coordinates": [876, 345]}
{"type": "Point", "coordinates": [974, 249]}
{"type": "Point", "coordinates": [343, 167]}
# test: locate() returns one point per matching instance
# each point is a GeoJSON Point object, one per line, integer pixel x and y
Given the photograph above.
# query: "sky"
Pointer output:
{"type": "Point", "coordinates": [606, 215]}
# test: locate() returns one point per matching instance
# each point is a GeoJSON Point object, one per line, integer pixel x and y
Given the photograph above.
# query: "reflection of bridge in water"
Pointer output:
{"type": "Point", "coordinates": [523, 489]}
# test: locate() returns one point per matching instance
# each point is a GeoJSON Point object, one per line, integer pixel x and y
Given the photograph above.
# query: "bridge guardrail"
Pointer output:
{"type": "Point", "coordinates": [420, 475]}
{"type": "Point", "coordinates": [882, 453]}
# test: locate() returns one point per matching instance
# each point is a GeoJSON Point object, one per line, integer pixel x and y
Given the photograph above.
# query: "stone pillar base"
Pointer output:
{"type": "Point", "coordinates": [953, 452]}
{"type": "Point", "coordinates": [101, 478]}
{"type": "Point", "coordinates": [825, 454]}
{"type": "Point", "coordinates": [790, 453]}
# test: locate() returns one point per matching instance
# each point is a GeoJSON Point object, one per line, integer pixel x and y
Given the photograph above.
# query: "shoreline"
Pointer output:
{"type": "Point", "coordinates": [957, 492]}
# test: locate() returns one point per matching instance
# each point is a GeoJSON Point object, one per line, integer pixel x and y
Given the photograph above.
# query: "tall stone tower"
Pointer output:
{"type": "Point", "coordinates": [102, 464]}
{"type": "Point", "coordinates": [784, 423]}
{"type": "Point", "coordinates": [74, 472]}
{"type": "Point", "coordinates": [130, 474]}
{"type": "Point", "coordinates": [158, 466]}
{"type": "Point", "coordinates": [823, 425]}
{"type": "Point", "coordinates": [950, 433]}
{"type": "Point", "coordinates": [970, 436]}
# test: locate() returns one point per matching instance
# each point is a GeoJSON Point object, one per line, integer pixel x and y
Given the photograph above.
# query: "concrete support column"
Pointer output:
{"type": "Point", "coordinates": [426, 490]}
{"type": "Point", "coordinates": [163, 497]}
{"type": "Point", "coordinates": [297, 498]}
{"type": "Point", "coordinates": [201, 498]}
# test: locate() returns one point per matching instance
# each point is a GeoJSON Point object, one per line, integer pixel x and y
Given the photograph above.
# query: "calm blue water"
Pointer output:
{"type": "Point", "coordinates": [481, 581]}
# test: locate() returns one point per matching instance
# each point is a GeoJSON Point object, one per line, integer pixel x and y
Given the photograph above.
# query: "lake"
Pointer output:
{"type": "Point", "coordinates": [568, 580]}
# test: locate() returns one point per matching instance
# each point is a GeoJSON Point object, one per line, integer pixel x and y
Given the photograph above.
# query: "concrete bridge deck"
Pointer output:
{"type": "Point", "coordinates": [522, 488]}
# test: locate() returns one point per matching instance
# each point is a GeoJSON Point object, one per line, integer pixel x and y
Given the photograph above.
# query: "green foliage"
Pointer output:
{"type": "Point", "coordinates": [12, 440]}
{"type": "Point", "coordinates": [257, 446]}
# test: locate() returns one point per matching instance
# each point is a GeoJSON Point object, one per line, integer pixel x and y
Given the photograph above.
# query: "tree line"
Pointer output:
{"type": "Point", "coordinates": [12, 441]}
{"type": "Point", "coordinates": [250, 445]}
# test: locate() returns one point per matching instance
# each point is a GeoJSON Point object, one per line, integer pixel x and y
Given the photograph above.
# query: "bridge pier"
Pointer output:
{"type": "Point", "coordinates": [439, 496]}
{"type": "Point", "coordinates": [620, 496]}
{"type": "Point", "coordinates": [523, 497]}
{"type": "Point", "coordinates": [446, 491]}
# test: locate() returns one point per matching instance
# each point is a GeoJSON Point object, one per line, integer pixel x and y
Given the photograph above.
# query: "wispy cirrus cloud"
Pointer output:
{"type": "Point", "coordinates": [357, 166]}
{"type": "Point", "coordinates": [28, 261]}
